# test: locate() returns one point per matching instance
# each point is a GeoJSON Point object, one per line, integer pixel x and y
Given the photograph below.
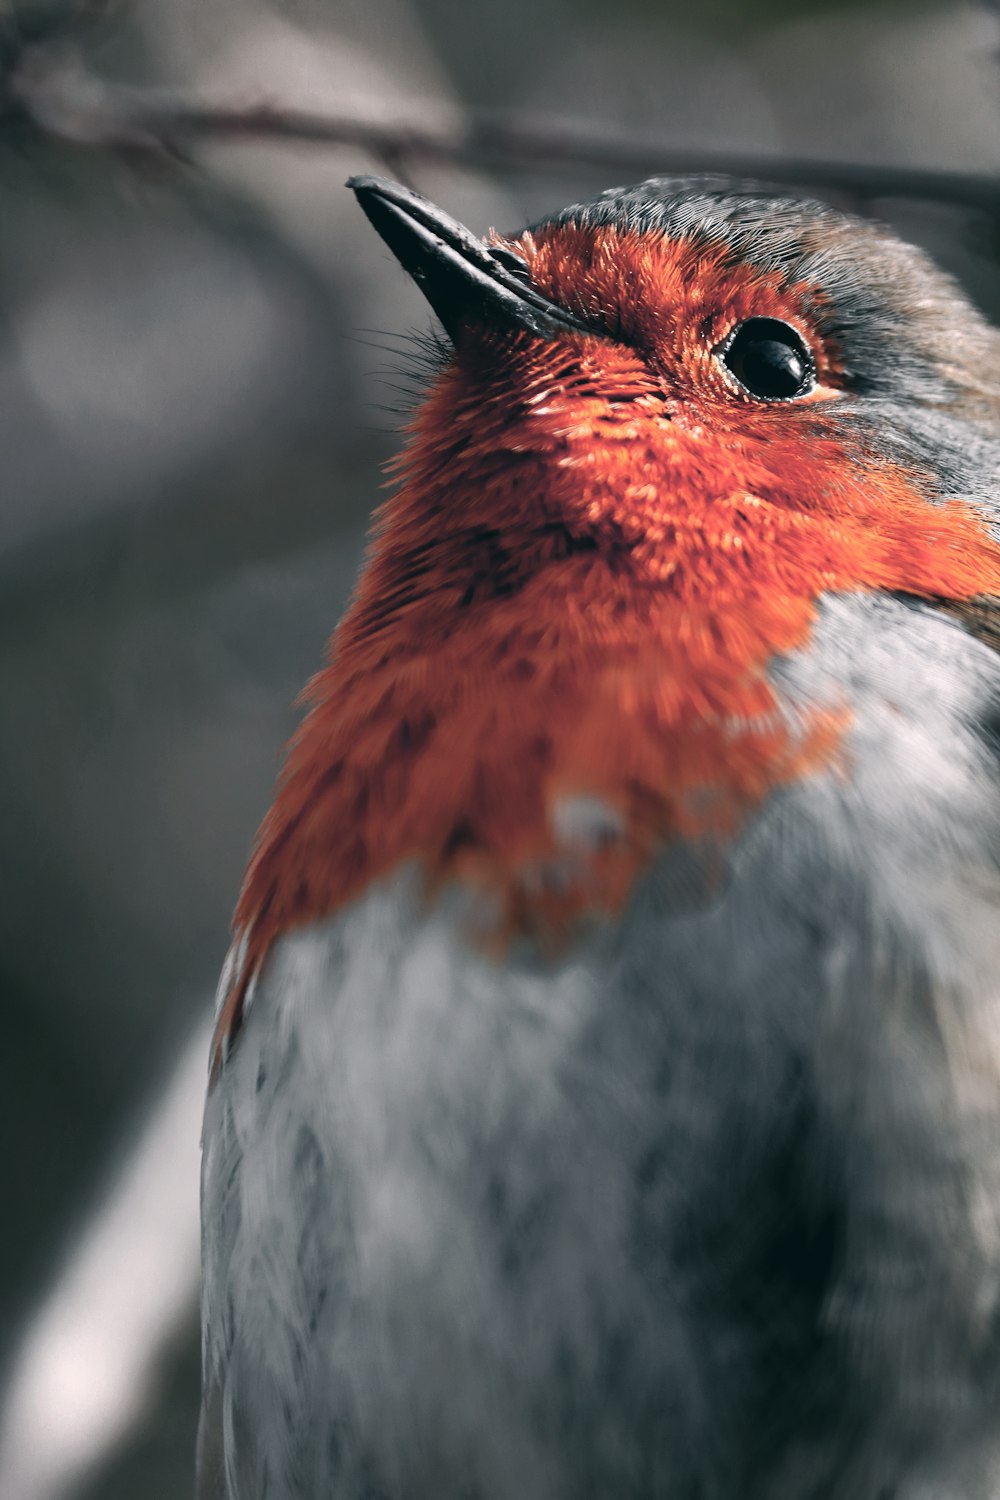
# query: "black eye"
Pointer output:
{"type": "Point", "coordinates": [770, 359]}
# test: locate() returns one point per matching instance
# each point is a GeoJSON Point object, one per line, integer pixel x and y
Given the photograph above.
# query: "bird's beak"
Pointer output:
{"type": "Point", "coordinates": [462, 278]}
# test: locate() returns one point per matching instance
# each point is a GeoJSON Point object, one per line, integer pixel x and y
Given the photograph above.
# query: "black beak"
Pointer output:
{"type": "Point", "coordinates": [462, 278]}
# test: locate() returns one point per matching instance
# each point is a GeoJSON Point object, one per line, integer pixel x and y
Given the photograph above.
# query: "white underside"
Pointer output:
{"type": "Point", "coordinates": [437, 1191]}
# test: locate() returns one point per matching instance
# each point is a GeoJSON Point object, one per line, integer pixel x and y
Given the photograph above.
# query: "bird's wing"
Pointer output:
{"type": "Point", "coordinates": [218, 1455]}
{"type": "Point", "coordinates": [980, 617]}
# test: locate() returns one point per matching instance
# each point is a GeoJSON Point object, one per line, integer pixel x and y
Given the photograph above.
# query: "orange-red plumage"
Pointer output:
{"type": "Point", "coordinates": [596, 549]}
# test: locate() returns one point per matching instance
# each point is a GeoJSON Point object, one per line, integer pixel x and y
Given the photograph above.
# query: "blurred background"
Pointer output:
{"type": "Point", "coordinates": [200, 360]}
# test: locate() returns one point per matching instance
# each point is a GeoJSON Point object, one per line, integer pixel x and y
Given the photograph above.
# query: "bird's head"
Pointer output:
{"type": "Point", "coordinates": [699, 308]}
{"type": "Point", "coordinates": [671, 419]}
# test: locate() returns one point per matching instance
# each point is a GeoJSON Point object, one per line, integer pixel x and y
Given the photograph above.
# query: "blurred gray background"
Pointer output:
{"type": "Point", "coordinates": [198, 362]}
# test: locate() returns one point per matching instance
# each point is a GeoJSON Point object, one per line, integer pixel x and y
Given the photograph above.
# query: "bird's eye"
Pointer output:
{"type": "Point", "coordinates": [769, 359]}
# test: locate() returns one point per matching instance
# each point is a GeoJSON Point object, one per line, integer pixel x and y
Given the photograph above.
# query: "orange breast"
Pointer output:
{"type": "Point", "coordinates": [591, 559]}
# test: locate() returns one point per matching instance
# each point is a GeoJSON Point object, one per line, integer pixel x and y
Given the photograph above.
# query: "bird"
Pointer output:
{"type": "Point", "coordinates": [605, 1089]}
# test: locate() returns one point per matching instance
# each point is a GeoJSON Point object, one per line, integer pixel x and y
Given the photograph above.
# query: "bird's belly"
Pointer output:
{"type": "Point", "coordinates": [508, 1230]}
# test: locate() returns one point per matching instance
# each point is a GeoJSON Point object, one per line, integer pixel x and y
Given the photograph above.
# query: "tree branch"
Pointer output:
{"type": "Point", "coordinates": [73, 107]}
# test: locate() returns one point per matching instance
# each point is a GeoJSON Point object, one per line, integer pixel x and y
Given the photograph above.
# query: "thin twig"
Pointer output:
{"type": "Point", "coordinates": [75, 108]}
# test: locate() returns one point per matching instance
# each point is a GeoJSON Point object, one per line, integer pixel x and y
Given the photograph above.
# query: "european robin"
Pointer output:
{"type": "Point", "coordinates": [605, 1098]}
